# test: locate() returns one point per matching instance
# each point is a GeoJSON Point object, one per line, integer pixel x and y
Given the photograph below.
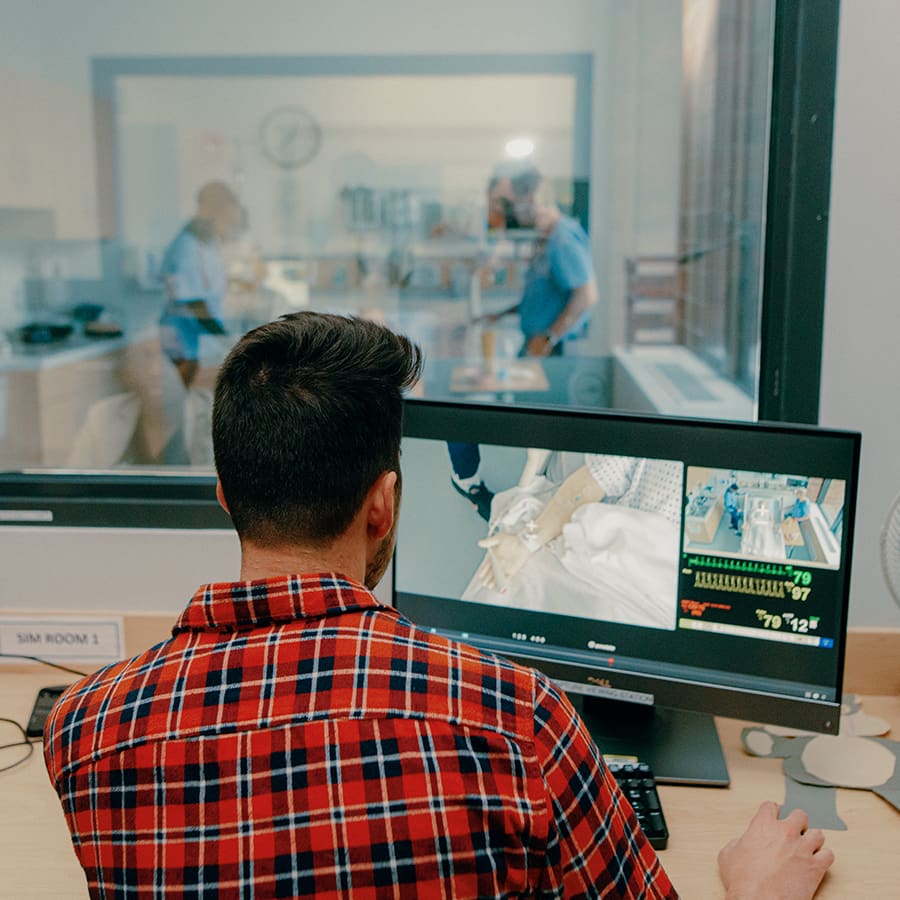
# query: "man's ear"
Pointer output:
{"type": "Point", "coordinates": [220, 496]}
{"type": "Point", "coordinates": [380, 507]}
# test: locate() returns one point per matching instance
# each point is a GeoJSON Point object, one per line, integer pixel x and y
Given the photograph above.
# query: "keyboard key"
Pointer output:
{"type": "Point", "coordinates": [637, 783]}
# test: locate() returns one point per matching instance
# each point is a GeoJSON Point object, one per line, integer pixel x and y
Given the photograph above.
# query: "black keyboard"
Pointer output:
{"type": "Point", "coordinates": [639, 786]}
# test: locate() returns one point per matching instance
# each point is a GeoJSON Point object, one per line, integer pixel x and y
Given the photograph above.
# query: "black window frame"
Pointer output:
{"type": "Point", "coordinates": [804, 67]}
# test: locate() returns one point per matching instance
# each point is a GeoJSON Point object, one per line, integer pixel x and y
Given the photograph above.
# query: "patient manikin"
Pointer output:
{"type": "Point", "coordinates": [586, 535]}
{"type": "Point", "coordinates": [763, 536]}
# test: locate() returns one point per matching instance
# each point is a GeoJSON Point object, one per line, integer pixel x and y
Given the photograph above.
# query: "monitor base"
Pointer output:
{"type": "Point", "coordinates": [681, 747]}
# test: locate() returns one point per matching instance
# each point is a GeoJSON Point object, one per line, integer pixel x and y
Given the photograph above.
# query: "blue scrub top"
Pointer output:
{"type": "Point", "coordinates": [193, 270]}
{"type": "Point", "coordinates": [558, 268]}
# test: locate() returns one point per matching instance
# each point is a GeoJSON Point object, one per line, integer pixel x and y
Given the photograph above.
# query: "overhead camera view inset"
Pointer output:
{"type": "Point", "coordinates": [764, 515]}
{"type": "Point", "coordinates": [578, 534]}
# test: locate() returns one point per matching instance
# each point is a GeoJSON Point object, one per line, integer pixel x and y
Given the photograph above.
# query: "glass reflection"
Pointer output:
{"type": "Point", "coordinates": [581, 228]}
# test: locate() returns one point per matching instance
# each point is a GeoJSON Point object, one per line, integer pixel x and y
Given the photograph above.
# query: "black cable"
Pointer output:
{"type": "Point", "coordinates": [45, 662]}
{"type": "Point", "coordinates": [25, 742]}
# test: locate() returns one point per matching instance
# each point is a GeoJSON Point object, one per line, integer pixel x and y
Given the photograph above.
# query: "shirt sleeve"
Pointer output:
{"type": "Point", "coordinates": [570, 259]}
{"type": "Point", "coordinates": [595, 846]}
{"type": "Point", "coordinates": [182, 271]}
{"type": "Point", "coordinates": [612, 473]}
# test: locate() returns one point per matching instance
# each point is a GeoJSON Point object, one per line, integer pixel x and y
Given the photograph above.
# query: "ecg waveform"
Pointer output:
{"type": "Point", "coordinates": [741, 584]}
{"type": "Point", "coordinates": [742, 565]}
{"type": "Point", "coordinates": [749, 577]}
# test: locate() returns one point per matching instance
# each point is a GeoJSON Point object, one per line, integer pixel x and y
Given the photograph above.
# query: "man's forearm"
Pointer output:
{"type": "Point", "coordinates": [580, 301]}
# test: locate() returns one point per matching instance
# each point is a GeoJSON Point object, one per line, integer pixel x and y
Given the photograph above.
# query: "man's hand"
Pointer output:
{"type": "Point", "coordinates": [539, 345]}
{"type": "Point", "coordinates": [775, 860]}
{"type": "Point", "coordinates": [506, 554]}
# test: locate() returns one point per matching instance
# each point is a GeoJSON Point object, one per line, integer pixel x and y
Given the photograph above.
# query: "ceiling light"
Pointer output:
{"type": "Point", "coordinates": [519, 148]}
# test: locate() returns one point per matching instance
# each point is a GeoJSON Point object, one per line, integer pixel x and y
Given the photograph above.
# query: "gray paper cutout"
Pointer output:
{"type": "Point", "coordinates": [841, 757]}
{"type": "Point", "coordinates": [817, 802]}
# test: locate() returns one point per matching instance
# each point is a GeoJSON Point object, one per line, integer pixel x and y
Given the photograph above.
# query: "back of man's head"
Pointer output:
{"type": "Point", "coordinates": [307, 415]}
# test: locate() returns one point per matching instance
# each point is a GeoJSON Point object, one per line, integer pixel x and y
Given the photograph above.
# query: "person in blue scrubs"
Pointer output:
{"type": "Point", "coordinates": [195, 279]}
{"type": "Point", "coordinates": [732, 507]}
{"type": "Point", "coordinates": [560, 286]}
{"type": "Point", "coordinates": [799, 512]}
{"type": "Point", "coordinates": [559, 294]}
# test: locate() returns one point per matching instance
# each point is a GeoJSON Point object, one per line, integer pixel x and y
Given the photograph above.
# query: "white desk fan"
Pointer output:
{"type": "Point", "coordinates": [890, 549]}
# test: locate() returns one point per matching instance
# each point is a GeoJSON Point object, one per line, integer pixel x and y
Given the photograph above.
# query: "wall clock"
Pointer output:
{"type": "Point", "coordinates": [290, 137]}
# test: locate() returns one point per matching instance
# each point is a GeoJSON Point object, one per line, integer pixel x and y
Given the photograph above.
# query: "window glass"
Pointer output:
{"type": "Point", "coordinates": [573, 217]}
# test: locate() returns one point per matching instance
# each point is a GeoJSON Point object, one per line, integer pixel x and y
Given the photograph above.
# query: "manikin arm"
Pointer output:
{"type": "Point", "coordinates": [535, 465]}
{"type": "Point", "coordinates": [507, 553]}
{"type": "Point", "coordinates": [579, 488]}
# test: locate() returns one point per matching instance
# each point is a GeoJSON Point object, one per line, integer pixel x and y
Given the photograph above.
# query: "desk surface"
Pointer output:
{"type": "Point", "coordinates": [39, 861]}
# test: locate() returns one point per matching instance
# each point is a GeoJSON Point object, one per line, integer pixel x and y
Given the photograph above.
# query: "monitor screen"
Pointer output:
{"type": "Point", "coordinates": [683, 564]}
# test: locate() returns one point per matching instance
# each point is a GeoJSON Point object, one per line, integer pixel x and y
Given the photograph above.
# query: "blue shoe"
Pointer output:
{"type": "Point", "coordinates": [478, 495]}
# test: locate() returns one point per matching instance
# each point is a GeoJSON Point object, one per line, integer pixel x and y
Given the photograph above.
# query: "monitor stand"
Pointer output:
{"type": "Point", "coordinates": [681, 747]}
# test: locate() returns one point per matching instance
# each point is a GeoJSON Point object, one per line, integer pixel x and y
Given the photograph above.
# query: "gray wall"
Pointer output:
{"type": "Point", "coordinates": [860, 369]}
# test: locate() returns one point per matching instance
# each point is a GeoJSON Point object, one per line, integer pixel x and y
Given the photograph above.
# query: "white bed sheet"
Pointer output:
{"type": "Point", "coordinates": [610, 563]}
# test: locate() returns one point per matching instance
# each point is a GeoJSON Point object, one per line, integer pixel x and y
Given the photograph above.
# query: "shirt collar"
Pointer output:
{"type": "Point", "coordinates": [227, 606]}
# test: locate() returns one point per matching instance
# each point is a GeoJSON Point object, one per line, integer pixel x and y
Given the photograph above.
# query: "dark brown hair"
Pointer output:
{"type": "Point", "coordinates": [307, 415]}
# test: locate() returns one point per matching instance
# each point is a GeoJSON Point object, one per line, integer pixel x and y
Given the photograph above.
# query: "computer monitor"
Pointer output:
{"type": "Point", "coordinates": [669, 569]}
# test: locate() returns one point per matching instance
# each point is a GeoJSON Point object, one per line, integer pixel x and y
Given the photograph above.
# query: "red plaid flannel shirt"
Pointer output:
{"type": "Point", "coordinates": [295, 737]}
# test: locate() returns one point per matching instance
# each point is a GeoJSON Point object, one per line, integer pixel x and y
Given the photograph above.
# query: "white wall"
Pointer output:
{"type": "Point", "coordinates": [860, 368]}
{"type": "Point", "coordinates": [116, 570]}
{"type": "Point", "coordinates": [637, 150]}
{"type": "Point", "coordinates": [175, 27]}
{"type": "Point", "coordinates": [439, 136]}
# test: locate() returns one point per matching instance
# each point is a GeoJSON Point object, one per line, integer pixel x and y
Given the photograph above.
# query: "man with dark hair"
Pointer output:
{"type": "Point", "coordinates": [313, 404]}
{"type": "Point", "coordinates": [295, 737]}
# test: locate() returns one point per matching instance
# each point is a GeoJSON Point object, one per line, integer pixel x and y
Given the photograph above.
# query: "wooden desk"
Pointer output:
{"type": "Point", "coordinates": [38, 861]}
{"type": "Point", "coordinates": [701, 820]}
